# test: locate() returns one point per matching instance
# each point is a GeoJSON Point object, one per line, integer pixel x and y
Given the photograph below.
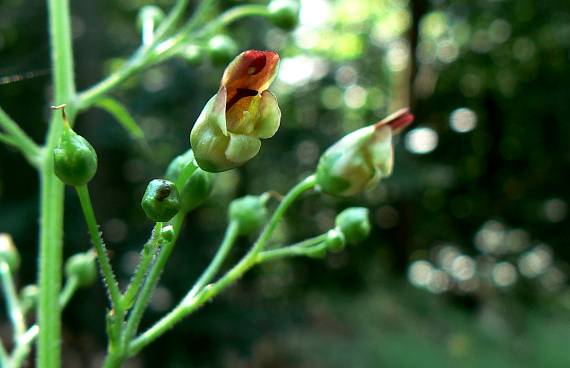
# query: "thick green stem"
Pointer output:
{"type": "Point", "coordinates": [100, 249]}
{"type": "Point", "coordinates": [12, 301]}
{"type": "Point", "coordinates": [51, 191]}
{"type": "Point", "coordinates": [190, 303]}
{"type": "Point", "coordinates": [229, 239]}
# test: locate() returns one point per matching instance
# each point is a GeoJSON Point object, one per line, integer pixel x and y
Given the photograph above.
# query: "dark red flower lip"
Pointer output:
{"type": "Point", "coordinates": [250, 73]}
{"type": "Point", "coordinates": [397, 121]}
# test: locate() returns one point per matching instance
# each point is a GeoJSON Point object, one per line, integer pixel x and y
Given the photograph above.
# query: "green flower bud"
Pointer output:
{"type": "Point", "coordinates": [150, 15]}
{"type": "Point", "coordinates": [284, 13]}
{"type": "Point", "coordinates": [167, 233]}
{"type": "Point", "coordinates": [354, 224]}
{"type": "Point", "coordinates": [192, 53]}
{"type": "Point", "coordinates": [335, 240]}
{"type": "Point", "coordinates": [221, 49]}
{"type": "Point", "coordinates": [8, 252]}
{"type": "Point", "coordinates": [82, 266]}
{"type": "Point", "coordinates": [198, 188]}
{"type": "Point", "coordinates": [74, 159]}
{"type": "Point", "coordinates": [249, 212]}
{"type": "Point", "coordinates": [359, 160]}
{"type": "Point", "coordinates": [229, 130]}
{"type": "Point", "coordinates": [161, 200]}
{"type": "Point", "coordinates": [29, 297]}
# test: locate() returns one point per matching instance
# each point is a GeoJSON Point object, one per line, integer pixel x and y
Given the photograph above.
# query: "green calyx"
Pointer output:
{"type": "Point", "coordinates": [82, 266]}
{"type": "Point", "coordinates": [8, 252]}
{"type": "Point", "coordinates": [197, 188]}
{"type": "Point", "coordinates": [249, 212]}
{"type": "Point", "coordinates": [354, 224]}
{"type": "Point", "coordinates": [221, 49]}
{"type": "Point", "coordinates": [75, 160]}
{"type": "Point", "coordinates": [284, 13]}
{"type": "Point", "coordinates": [161, 200]}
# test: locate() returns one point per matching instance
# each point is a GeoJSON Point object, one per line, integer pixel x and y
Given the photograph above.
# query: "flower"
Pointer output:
{"type": "Point", "coordinates": [228, 131]}
{"type": "Point", "coordinates": [360, 159]}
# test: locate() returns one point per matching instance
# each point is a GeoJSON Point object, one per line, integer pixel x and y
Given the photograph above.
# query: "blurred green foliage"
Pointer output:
{"type": "Point", "coordinates": [474, 216]}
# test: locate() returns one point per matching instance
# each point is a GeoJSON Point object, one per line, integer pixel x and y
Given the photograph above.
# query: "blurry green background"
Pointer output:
{"type": "Point", "coordinates": [467, 265]}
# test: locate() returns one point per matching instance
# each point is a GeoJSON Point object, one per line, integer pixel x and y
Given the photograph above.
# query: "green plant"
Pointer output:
{"type": "Point", "coordinates": [227, 134]}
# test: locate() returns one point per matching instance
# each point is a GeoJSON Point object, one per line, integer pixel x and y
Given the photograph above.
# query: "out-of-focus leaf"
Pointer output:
{"type": "Point", "coordinates": [122, 115]}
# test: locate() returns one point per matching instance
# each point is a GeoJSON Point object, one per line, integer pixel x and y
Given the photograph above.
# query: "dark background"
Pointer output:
{"type": "Point", "coordinates": [468, 260]}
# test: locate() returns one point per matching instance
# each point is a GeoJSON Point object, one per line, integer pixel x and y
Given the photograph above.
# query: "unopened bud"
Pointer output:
{"type": "Point", "coordinates": [83, 267]}
{"type": "Point", "coordinates": [161, 200]}
{"type": "Point", "coordinates": [75, 160]}
{"type": "Point", "coordinates": [249, 212]}
{"type": "Point", "coordinates": [354, 224]}
{"type": "Point", "coordinates": [221, 49]}
{"type": "Point", "coordinates": [8, 252]}
{"type": "Point", "coordinates": [335, 240]}
{"type": "Point", "coordinates": [284, 13]}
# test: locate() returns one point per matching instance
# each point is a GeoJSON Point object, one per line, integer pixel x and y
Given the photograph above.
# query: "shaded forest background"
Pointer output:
{"type": "Point", "coordinates": [468, 261]}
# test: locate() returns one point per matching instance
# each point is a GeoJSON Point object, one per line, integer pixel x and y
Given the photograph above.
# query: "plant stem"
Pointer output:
{"type": "Point", "coordinates": [230, 236]}
{"type": "Point", "coordinates": [100, 249]}
{"type": "Point", "coordinates": [307, 247]}
{"type": "Point", "coordinates": [51, 190]}
{"type": "Point", "coordinates": [12, 301]}
{"type": "Point", "coordinates": [150, 283]}
{"type": "Point", "coordinates": [147, 255]}
{"type": "Point", "coordinates": [69, 289]}
{"type": "Point", "coordinates": [190, 304]}
{"type": "Point", "coordinates": [17, 138]}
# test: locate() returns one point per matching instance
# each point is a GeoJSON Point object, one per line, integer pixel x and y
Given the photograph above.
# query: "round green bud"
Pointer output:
{"type": "Point", "coordinates": [161, 200]}
{"type": "Point", "coordinates": [335, 240]}
{"type": "Point", "coordinates": [75, 160]}
{"type": "Point", "coordinates": [198, 188]}
{"type": "Point", "coordinates": [354, 224]}
{"type": "Point", "coordinates": [149, 13]}
{"type": "Point", "coordinates": [284, 13]}
{"type": "Point", "coordinates": [249, 212]}
{"type": "Point", "coordinates": [82, 266]}
{"type": "Point", "coordinates": [167, 233]}
{"type": "Point", "coordinates": [192, 53]}
{"type": "Point", "coordinates": [8, 252]}
{"type": "Point", "coordinates": [29, 296]}
{"type": "Point", "coordinates": [222, 49]}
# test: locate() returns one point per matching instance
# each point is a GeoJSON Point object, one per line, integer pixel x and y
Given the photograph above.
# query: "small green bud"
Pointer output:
{"type": "Point", "coordinates": [221, 49]}
{"type": "Point", "coordinates": [249, 212]}
{"type": "Point", "coordinates": [335, 240]}
{"type": "Point", "coordinates": [149, 15]}
{"type": "Point", "coordinates": [354, 224]}
{"type": "Point", "coordinates": [74, 159]}
{"type": "Point", "coordinates": [198, 188]}
{"type": "Point", "coordinates": [167, 233]}
{"type": "Point", "coordinates": [8, 252]}
{"type": "Point", "coordinates": [192, 53]}
{"type": "Point", "coordinates": [161, 200]}
{"type": "Point", "coordinates": [29, 297]}
{"type": "Point", "coordinates": [82, 266]}
{"type": "Point", "coordinates": [284, 13]}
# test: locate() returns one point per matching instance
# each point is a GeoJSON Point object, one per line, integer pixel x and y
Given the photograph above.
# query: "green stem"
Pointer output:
{"type": "Point", "coordinates": [100, 249]}
{"type": "Point", "coordinates": [22, 348]}
{"type": "Point", "coordinates": [17, 138]}
{"type": "Point", "coordinates": [309, 247]}
{"type": "Point", "coordinates": [3, 356]}
{"type": "Point", "coordinates": [229, 239]}
{"type": "Point", "coordinates": [190, 304]}
{"type": "Point", "coordinates": [147, 255]}
{"type": "Point", "coordinates": [69, 289]}
{"type": "Point", "coordinates": [12, 301]}
{"type": "Point", "coordinates": [51, 190]}
{"type": "Point", "coordinates": [150, 282]}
